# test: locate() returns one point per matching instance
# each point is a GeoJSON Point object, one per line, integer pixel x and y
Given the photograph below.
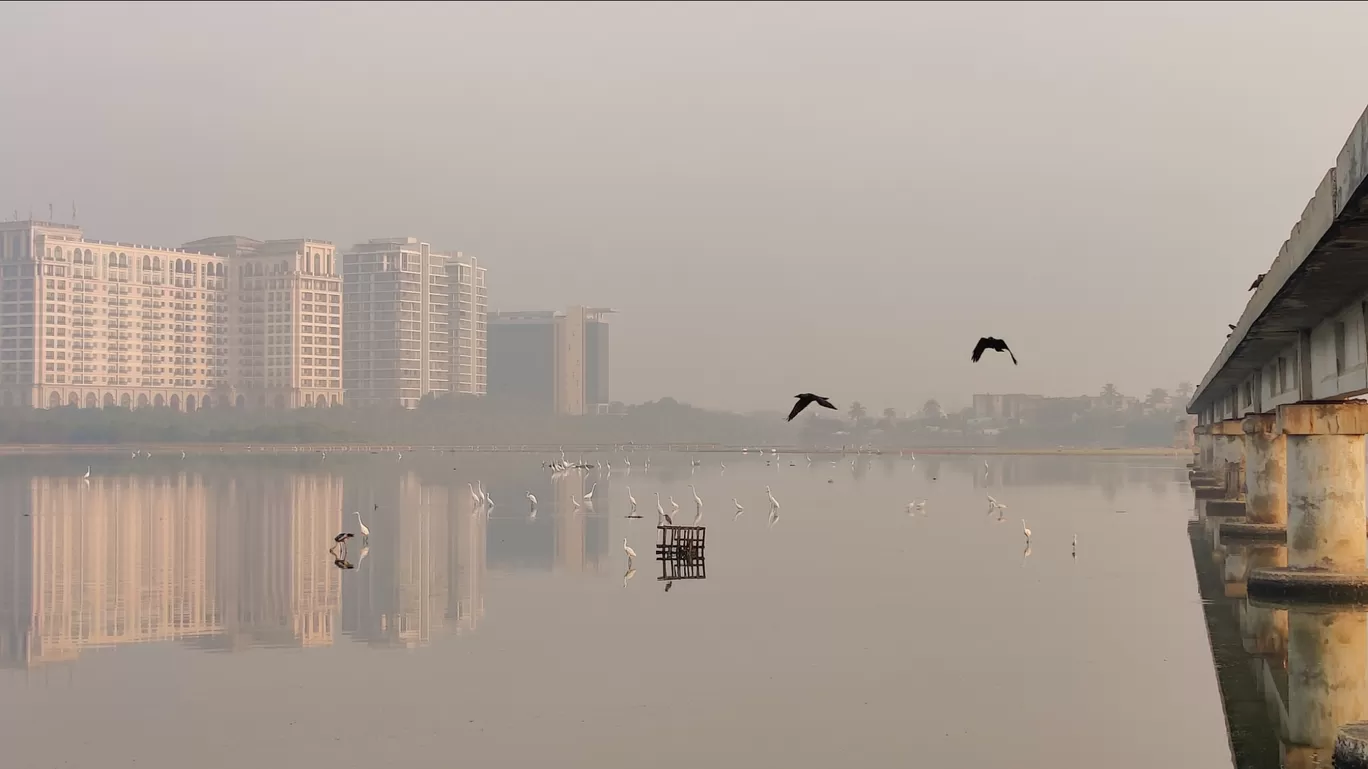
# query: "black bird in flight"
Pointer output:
{"type": "Point", "coordinates": [1232, 326]}
{"type": "Point", "coordinates": [992, 343]}
{"type": "Point", "coordinates": [804, 399]}
{"type": "Point", "coordinates": [1257, 281]}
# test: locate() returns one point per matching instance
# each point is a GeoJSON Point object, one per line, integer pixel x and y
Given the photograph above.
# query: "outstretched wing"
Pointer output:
{"type": "Point", "coordinates": [1009, 352]}
{"type": "Point", "coordinates": [979, 348]}
{"type": "Point", "coordinates": [797, 407]}
{"type": "Point", "coordinates": [824, 403]}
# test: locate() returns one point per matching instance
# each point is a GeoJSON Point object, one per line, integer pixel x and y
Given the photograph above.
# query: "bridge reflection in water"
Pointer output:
{"type": "Point", "coordinates": [1290, 674]}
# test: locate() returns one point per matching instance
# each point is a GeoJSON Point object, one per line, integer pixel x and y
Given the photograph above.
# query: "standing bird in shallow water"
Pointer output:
{"type": "Point", "coordinates": [992, 343]}
{"type": "Point", "coordinates": [1026, 531]}
{"type": "Point", "coordinates": [365, 532]}
{"type": "Point", "coordinates": [631, 499]}
{"type": "Point", "coordinates": [774, 503]}
{"type": "Point", "coordinates": [631, 554]}
{"type": "Point", "coordinates": [804, 399]}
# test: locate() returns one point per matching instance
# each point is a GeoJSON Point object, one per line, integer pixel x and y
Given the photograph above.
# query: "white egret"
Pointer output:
{"type": "Point", "coordinates": [183, 454]}
{"type": "Point", "coordinates": [479, 489]}
{"type": "Point", "coordinates": [739, 509]}
{"type": "Point", "coordinates": [674, 506]}
{"type": "Point", "coordinates": [698, 501]}
{"type": "Point", "coordinates": [474, 498]}
{"type": "Point", "coordinates": [589, 496]}
{"type": "Point", "coordinates": [626, 548]}
{"type": "Point", "coordinates": [631, 499]}
{"type": "Point", "coordinates": [1026, 531]}
{"type": "Point", "coordinates": [365, 532]}
{"type": "Point", "coordinates": [774, 503]}
{"type": "Point", "coordinates": [532, 500]}
{"type": "Point", "coordinates": [87, 475]}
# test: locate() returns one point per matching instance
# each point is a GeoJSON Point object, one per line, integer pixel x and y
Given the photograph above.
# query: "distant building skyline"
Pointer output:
{"type": "Point", "coordinates": [556, 361]}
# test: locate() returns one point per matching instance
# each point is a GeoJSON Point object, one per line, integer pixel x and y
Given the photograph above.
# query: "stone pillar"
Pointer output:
{"type": "Point", "coordinates": [1230, 455]}
{"type": "Point", "coordinates": [1204, 459]}
{"type": "Point", "coordinates": [1265, 481]}
{"type": "Point", "coordinates": [1327, 548]}
{"type": "Point", "coordinates": [1327, 675]}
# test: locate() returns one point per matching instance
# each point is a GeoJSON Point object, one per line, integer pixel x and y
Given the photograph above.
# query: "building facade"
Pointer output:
{"type": "Point", "coordinates": [415, 323]}
{"type": "Point", "coordinates": [285, 349]}
{"type": "Point", "coordinates": [552, 361]}
{"type": "Point", "coordinates": [92, 324]}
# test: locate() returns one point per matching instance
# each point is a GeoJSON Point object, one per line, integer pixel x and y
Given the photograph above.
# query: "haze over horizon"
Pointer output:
{"type": "Point", "coordinates": [778, 198]}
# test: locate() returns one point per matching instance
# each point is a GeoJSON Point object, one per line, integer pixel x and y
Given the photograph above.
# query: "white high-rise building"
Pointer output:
{"type": "Point", "coordinates": [219, 322]}
{"type": "Point", "coordinates": [415, 322]}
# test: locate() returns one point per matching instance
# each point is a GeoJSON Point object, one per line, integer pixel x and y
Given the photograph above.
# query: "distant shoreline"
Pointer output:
{"type": "Point", "coordinates": [698, 448]}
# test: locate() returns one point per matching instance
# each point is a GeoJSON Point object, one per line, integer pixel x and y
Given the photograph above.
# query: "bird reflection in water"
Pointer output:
{"type": "Point", "coordinates": [627, 576]}
{"type": "Point", "coordinates": [343, 563]}
{"type": "Point", "coordinates": [1025, 554]}
{"type": "Point", "coordinates": [668, 585]}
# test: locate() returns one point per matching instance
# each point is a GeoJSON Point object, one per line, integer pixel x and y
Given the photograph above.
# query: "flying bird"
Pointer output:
{"type": "Point", "coordinates": [804, 399]}
{"type": "Point", "coordinates": [994, 344]}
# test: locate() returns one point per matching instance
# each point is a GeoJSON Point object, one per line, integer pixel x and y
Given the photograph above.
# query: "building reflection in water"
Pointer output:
{"type": "Point", "coordinates": [1290, 674]}
{"type": "Point", "coordinates": [231, 558]}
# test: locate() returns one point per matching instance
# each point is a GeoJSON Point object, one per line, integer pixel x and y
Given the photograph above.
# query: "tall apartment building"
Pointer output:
{"type": "Point", "coordinates": [91, 323]}
{"type": "Point", "coordinates": [415, 322]}
{"type": "Point", "coordinates": [285, 350]}
{"type": "Point", "coordinates": [552, 361]}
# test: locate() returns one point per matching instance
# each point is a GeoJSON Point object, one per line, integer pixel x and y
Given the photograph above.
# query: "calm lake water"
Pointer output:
{"type": "Point", "coordinates": [173, 613]}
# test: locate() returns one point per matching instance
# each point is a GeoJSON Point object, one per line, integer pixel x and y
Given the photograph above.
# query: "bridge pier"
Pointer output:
{"type": "Point", "coordinates": [1327, 549]}
{"type": "Point", "coordinates": [1265, 481]}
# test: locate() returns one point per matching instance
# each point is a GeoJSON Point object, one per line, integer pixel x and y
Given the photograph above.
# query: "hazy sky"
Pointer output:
{"type": "Point", "coordinates": [777, 197]}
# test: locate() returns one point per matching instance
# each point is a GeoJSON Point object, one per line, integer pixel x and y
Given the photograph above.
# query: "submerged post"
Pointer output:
{"type": "Point", "coordinates": [1326, 542]}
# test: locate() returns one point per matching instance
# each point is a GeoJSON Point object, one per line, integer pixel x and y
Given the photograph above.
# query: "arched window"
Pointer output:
{"type": "Point", "coordinates": [156, 263]}
{"type": "Point", "coordinates": [147, 262]}
{"type": "Point", "coordinates": [57, 253]}
{"type": "Point", "coordinates": [123, 260]}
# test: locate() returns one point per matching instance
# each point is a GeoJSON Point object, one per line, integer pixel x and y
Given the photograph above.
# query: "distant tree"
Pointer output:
{"type": "Point", "coordinates": [1185, 390]}
{"type": "Point", "coordinates": [932, 410]}
{"type": "Point", "coordinates": [890, 414]}
{"type": "Point", "coordinates": [1110, 392]}
{"type": "Point", "coordinates": [857, 411]}
{"type": "Point", "coordinates": [1157, 397]}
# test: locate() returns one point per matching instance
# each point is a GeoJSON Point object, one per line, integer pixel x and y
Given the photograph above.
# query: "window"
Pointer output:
{"type": "Point", "coordinates": [1340, 351]}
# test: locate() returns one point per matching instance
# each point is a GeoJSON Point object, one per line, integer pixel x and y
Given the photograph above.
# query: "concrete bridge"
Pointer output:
{"type": "Point", "coordinates": [1281, 447]}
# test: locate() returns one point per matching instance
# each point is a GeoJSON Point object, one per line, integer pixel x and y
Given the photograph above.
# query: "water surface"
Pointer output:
{"type": "Point", "coordinates": [173, 613]}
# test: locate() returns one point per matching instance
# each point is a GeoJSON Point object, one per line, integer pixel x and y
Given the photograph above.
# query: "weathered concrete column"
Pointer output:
{"type": "Point", "coordinates": [1327, 676]}
{"type": "Point", "coordinates": [1326, 542]}
{"type": "Point", "coordinates": [1204, 459]}
{"type": "Point", "coordinates": [1265, 481]}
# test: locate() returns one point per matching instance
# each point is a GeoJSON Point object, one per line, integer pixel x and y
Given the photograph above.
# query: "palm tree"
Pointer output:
{"type": "Point", "coordinates": [1110, 392]}
{"type": "Point", "coordinates": [1156, 398]}
{"type": "Point", "coordinates": [857, 412]}
{"type": "Point", "coordinates": [932, 410]}
{"type": "Point", "coordinates": [890, 414]}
